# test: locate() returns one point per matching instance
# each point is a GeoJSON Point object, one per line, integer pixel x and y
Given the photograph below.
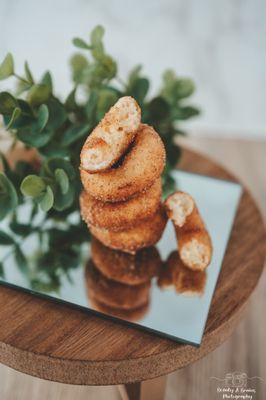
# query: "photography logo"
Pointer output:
{"type": "Point", "coordinates": [236, 385]}
{"type": "Point", "coordinates": [235, 379]}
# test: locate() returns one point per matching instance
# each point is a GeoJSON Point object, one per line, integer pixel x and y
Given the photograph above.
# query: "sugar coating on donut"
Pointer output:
{"type": "Point", "coordinates": [121, 215]}
{"type": "Point", "coordinates": [112, 136]}
{"type": "Point", "coordinates": [179, 206]}
{"type": "Point", "coordinates": [195, 254]}
{"type": "Point", "coordinates": [141, 166]}
{"type": "Point", "coordinates": [145, 234]}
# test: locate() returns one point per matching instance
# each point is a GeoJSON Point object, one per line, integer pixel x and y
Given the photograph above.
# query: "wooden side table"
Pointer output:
{"type": "Point", "coordinates": [59, 343]}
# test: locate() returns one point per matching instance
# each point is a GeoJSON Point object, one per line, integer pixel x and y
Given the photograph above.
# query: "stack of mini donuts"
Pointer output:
{"type": "Point", "coordinates": [121, 165]}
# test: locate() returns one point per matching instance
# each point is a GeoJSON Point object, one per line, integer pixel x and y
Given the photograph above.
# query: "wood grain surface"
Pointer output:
{"type": "Point", "coordinates": [57, 343]}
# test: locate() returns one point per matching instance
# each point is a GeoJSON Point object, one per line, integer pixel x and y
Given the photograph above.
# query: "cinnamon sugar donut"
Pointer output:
{"type": "Point", "coordinates": [121, 215]}
{"type": "Point", "coordinates": [145, 234]}
{"type": "Point", "coordinates": [140, 167]}
{"type": "Point", "coordinates": [126, 268]}
{"type": "Point", "coordinates": [194, 241]}
{"type": "Point", "coordinates": [112, 136]}
{"type": "Point", "coordinates": [114, 294]}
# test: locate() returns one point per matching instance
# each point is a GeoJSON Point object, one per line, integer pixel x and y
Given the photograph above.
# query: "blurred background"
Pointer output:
{"type": "Point", "coordinates": [222, 46]}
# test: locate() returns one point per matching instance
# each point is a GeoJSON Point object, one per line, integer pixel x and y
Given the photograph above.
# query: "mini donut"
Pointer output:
{"type": "Point", "coordinates": [185, 281]}
{"type": "Point", "coordinates": [145, 234]}
{"type": "Point", "coordinates": [123, 214]}
{"type": "Point", "coordinates": [136, 172]}
{"type": "Point", "coordinates": [133, 315]}
{"type": "Point", "coordinates": [194, 242]}
{"type": "Point", "coordinates": [182, 210]}
{"type": "Point", "coordinates": [112, 136]}
{"type": "Point", "coordinates": [114, 294]}
{"type": "Point", "coordinates": [126, 268]}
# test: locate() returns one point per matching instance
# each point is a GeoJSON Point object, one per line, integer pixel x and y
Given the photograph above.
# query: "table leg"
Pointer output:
{"type": "Point", "coordinates": [151, 389]}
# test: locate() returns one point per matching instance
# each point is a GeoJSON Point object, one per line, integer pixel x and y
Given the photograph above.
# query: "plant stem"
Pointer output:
{"type": "Point", "coordinates": [21, 79]}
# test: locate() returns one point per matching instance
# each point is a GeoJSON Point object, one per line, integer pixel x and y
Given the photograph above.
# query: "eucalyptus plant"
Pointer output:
{"type": "Point", "coordinates": [56, 128]}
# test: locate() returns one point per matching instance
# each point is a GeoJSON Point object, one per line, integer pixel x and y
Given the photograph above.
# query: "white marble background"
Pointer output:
{"type": "Point", "coordinates": [221, 44]}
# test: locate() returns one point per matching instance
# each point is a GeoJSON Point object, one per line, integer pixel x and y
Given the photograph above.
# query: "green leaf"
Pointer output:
{"type": "Point", "coordinates": [90, 106]}
{"type": "Point", "coordinates": [57, 114]}
{"type": "Point", "coordinates": [184, 88]}
{"type": "Point", "coordinates": [7, 103]}
{"type": "Point", "coordinates": [102, 73]}
{"type": "Point", "coordinates": [74, 133]}
{"type": "Point", "coordinates": [33, 186]}
{"type": "Point", "coordinates": [24, 119]}
{"type": "Point", "coordinates": [28, 73]}
{"type": "Point", "coordinates": [16, 113]}
{"type": "Point", "coordinates": [7, 67]}
{"type": "Point", "coordinates": [8, 196]}
{"type": "Point", "coordinates": [47, 80]}
{"type": "Point", "coordinates": [110, 67]}
{"type": "Point", "coordinates": [21, 260]}
{"type": "Point", "coordinates": [96, 42]}
{"type": "Point", "coordinates": [42, 117]}
{"type": "Point", "coordinates": [47, 200]}
{"type": "Point", "coordinates": [54, 149]}
{"type": "Point", "coordinates": [97, 35]}
{"type": "Point", "coordinates": [158, 109]}
{"type": "Point", "coordinates": [62, 179]}
{"type": "Point", "coordinates": [25, 107]}
{"type": "Point", "coordinates": [5, 239]}
{"type": "Point", "coordinates": [134, 75]}
{"type": "Point", "coordinates": [140, 89]}
{"type": "Point", "coordinates": [20, 229]}
{"type": "Point", "coordinates": [169, 86]}
{"type": "Point", "coordinates": [184, 113]}
{"type": "Point", "coordinates": [78, 64]}
{"type": "Point", "coordinates": [32, 137]}
{"type": "Point", "coordinates": [63, 201]}
{"type": "Point", "coordinates": [174, 89]}
{"type": "Point", "coordinates": [38, 94]}
{"type": "Point", "coordinates": [80, 43]}
{"type": "Point", "coordinates": [51, 165]}
{"type": "Point", "coordinates": [70, 103]}
{"type": "Point", "coordinates": [169, 77]}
